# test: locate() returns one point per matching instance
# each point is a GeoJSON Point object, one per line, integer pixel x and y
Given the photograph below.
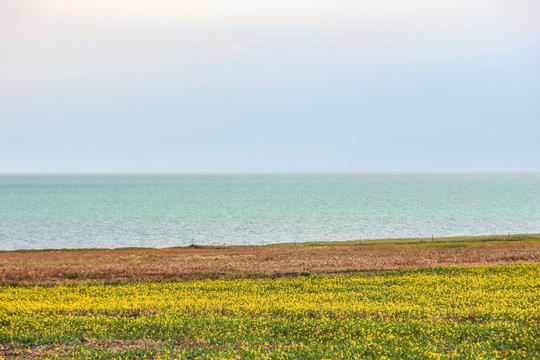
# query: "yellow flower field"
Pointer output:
{"type": "Point", "coordinates": [449, 312]}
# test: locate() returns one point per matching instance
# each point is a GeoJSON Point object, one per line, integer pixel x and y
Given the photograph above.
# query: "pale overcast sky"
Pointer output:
{"type": "Point", "coordinates": [295, 85]}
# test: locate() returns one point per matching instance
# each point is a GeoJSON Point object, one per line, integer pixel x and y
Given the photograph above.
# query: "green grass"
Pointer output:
{"type": "Point", "coordinates": [454, 239]}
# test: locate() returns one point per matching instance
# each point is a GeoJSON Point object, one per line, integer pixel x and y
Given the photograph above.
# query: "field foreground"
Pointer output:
{"type": "Point", "coordinates": [442, 313]}
{"type": "Point", "coordinates": [330, 312]}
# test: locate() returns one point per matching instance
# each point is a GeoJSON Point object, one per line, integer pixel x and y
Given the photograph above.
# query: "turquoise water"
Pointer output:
{"type": "Point", "coordinates": [81, 211]}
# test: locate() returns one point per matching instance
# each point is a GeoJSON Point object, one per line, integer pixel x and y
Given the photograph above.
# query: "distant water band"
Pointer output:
{"type": "Point", "coordinates": [156, 210]}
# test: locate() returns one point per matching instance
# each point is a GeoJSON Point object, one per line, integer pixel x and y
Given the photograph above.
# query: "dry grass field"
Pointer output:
{"type": "Point", "coordinates": [231, 262]}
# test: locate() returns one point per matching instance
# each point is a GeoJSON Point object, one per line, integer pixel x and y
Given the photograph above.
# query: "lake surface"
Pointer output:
{"type": "Point", "coordinates": [162, 210]}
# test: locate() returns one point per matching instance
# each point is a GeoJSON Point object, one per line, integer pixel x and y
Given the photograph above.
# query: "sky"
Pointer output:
{"type": "Point", "coordinates": [257, 85]}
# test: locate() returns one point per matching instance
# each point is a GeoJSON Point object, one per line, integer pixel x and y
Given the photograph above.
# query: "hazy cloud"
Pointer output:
{"type": "Point", "coordinates": [329, 83]}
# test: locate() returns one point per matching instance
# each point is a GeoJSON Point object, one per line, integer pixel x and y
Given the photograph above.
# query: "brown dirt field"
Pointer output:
{"type": "Point", "coordinates": [18, 351]}
{"type": "Point", "coordinates": [174, 264]}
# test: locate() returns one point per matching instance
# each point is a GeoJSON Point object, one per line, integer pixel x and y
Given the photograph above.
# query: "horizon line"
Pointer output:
{"type": "Point", "coordinates": [209, 172]}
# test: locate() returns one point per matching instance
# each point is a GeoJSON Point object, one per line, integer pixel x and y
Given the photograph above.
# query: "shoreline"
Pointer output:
{"type": "Point", "coordinates": [433, 240]}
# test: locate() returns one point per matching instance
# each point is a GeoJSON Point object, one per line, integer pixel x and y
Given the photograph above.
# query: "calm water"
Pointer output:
{"type": "Point", "coordinates": [76, 211]}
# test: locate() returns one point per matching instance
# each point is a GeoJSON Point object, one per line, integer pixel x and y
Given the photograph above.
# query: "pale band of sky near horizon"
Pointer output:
{"type": "Point", "coordinates": [342, 85]}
